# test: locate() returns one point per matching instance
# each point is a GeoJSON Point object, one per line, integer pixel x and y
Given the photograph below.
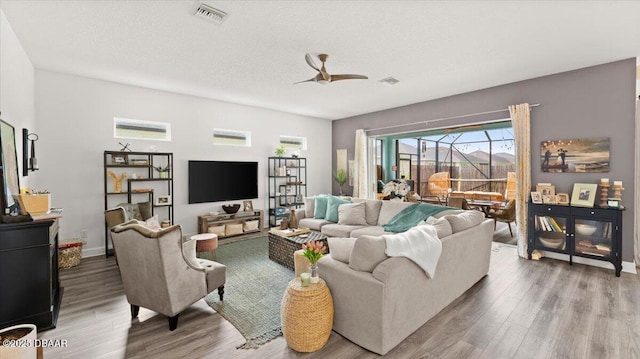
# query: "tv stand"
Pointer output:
{"type": "Point", "coordinates": [208, 223]}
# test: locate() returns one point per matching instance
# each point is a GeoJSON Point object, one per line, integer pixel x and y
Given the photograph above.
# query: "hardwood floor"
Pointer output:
{"type": "Point", "coordinates": [522, 309]}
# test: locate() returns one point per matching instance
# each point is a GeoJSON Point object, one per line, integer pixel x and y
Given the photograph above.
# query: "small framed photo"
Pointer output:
{"type": "Point", "coordinates": [563, 199]}
{"type": "Point", "coordinates": [584, 194]}
{"type": "Point", "coordinates": [299, 198]}
{"type": "Point", "coordinates": [536, 197]}
{"type": "Point", "coordinates": [163, 200]}
{"type": "Point", "coordinates": [247, 206]}
{"type": "Point", "coordinates": [119, 159]}
{"type": "Point", "coordinates": [613, 203]}
{"type": "Point", "coordinates": [549, 199]}
{"type": "Point", "coordinates": [546, 189]}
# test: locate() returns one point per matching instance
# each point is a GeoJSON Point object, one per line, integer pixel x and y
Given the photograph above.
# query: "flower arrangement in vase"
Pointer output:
{"type": "Point", "coordinates": [313, 251]}
{"type": "Point", "coordinates": [396, 188]}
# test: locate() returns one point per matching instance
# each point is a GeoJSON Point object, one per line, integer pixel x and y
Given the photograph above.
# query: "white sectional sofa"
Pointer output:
{"type": "Point", "coordinates": [380, 300]}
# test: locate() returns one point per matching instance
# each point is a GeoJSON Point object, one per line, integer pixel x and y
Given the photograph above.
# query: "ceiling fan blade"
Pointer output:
{"type": "Point", "coordinates": [348, 77]}
{"type": "Point", "coordinates": [309, 80]}
{"type": "Point", "coordinates": [310, 62]}
{"type": "Point", "coordinates": [317, 78]}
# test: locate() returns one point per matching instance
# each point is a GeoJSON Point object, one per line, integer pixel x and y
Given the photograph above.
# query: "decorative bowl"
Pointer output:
{"type": "Point", "coordinates": [231, 209]}
{"type": "Point", "coordinates": [552, 240]}
{"type": "Point", "coordinates": [585, 229]}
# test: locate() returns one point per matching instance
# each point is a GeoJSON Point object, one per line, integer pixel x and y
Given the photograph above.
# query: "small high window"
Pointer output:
{"type": "Point", "coordinates": [293, 142]}
{"type": "Point", "coordinates": [231, 137]}
{"type": "Point", "coordinates": [141, 130]}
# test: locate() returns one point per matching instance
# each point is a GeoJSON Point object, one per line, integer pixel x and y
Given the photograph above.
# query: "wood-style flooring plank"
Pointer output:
{"type": "Point", "coordinates": [521, 309]}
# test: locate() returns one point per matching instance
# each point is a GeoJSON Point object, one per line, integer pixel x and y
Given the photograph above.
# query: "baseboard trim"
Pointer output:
{"type": "Point", "coordinates": [92, 252]}
{"type": "Point", "coordinates": [627, 267]}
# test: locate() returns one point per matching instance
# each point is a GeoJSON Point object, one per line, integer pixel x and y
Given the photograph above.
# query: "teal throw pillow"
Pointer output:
{"type": "Point", "coordinates": [332, 208]}
{"type": "Point", "coordinates": [320, 207]}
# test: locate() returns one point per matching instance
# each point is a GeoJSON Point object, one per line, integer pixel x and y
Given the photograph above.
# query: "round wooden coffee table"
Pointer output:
{"type": "Point", "coordinates": [206, 243]}
{"type": "Point", "coordinates": [307, 315]}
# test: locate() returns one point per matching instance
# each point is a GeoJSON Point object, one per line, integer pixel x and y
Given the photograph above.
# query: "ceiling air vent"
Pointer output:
{"type": "Point", "coordinates": [210, 13]}
{"type": "Point", "coordinates": [389, 81]}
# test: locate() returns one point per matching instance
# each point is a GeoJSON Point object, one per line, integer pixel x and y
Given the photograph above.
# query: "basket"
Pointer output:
{"type": "Point", "coordinates": [69, 254]}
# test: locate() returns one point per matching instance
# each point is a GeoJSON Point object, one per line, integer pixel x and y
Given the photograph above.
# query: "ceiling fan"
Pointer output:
{"type": "Point", "coordinates": [323, 77]}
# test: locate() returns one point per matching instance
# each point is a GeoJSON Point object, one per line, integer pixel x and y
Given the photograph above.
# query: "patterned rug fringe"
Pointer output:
{"type": "Point", "coordinates": [255, 343]}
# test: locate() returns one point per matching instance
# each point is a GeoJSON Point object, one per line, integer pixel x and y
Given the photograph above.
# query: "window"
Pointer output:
{"type": "Point", "coordinates": [298, 143]}
{"type": "Point", "coordinates": [141, 130]}
{"type": "Point", "coordinates": [231, 137]}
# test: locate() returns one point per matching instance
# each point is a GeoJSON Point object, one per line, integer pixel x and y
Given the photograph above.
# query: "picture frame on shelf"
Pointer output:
{"type": "Point", "coordinates": [163, 200]}
{"type": "Point", "coordinates": [546, 189]}
{"type": "Point", "coordinates": [247, 206]}
{"type": "Point", "coordinates": [549, 199]}
{"type": "Point", "coordinates": [614, 203]}
{"type": "Point", "coordinates": [563, 199]}
{"type": "Point", "coordinates": [584, 194]}
{"type": "Point", "coordinates": [119, 159]}
{"type": "Point", "coordinates": [536, 197]}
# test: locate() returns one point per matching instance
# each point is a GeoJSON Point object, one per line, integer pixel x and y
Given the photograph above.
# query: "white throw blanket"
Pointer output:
{"type": "Point", "coordinates": [420, 244]}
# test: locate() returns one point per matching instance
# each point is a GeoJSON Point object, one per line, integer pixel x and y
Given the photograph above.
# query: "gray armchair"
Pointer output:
{"type": "Point", "coordinates": [161, 273]}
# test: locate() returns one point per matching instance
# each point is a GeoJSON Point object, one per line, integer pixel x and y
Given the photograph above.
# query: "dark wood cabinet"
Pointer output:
{"type": "Point", "coordinates": [594, 233]}
{"type": "Point", "coordinates": [30, 290]}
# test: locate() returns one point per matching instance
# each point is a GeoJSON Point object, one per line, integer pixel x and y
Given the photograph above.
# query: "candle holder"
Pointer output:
{"type": "Point", "coordinates": [604, 194]}
{"type": "Point", "coordinates": [617, 191]}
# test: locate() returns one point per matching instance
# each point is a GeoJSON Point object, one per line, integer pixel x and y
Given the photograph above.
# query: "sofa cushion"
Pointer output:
{"type": "Point", "coordinates": [309, 206]}
{"type": "Point", "coordinates": [340, 248]}
{"type": "Point", "coordinates": [367, 253]}
{"type": "Point", "coordinates": [352, 214]}
{"type": "Point", "coordinates": [320, 206]}
{"type": "Point", "coordinates": [338, 230]}
{"type": "Point", "coordinates": [465, 220]}
{"type": "Point", "coordinates": [389, 209]}
{"type": "Point", "coordinates": [332, 208]}
{"type": "Point", "coordinates": [442, 226]}
{"type": "Point", "coordinates": [312, 223]}
{"type": "Point", "coordinates": [368, 231]}
{"type": "Point", "coordinates": [371, 210]}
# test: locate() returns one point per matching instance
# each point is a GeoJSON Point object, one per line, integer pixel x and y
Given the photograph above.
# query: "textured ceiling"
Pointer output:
{"type": "Point", "coordinates": [434, 48]}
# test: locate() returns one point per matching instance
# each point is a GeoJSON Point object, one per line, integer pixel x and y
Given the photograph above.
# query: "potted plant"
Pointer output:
{"type": "Point", "coordinates": [163, 172]}
{"type": "Point", "coordinates": [280, 151]}
{"type": "Point", "coordinates": [341, 178]}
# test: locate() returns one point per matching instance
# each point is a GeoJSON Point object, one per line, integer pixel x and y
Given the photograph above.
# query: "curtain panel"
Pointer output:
{"type": "Point", "coordinates": [360, 159]}
{"type": "Point", "coordinates": [636, 226]}
{"type": "Point", "coordinates": [520, 120]}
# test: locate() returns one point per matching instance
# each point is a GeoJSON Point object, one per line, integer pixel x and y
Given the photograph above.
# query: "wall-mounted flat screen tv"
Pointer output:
{"type": "Point", "coordinates": [215, 181]}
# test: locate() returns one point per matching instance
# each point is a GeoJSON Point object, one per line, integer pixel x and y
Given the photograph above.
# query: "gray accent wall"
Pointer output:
{"type": "Point", "coordinates": [591, 102]}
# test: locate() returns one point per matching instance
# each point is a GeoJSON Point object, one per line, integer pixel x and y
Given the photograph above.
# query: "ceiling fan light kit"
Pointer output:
{"type": "Point", "coordinates": [323, 77]}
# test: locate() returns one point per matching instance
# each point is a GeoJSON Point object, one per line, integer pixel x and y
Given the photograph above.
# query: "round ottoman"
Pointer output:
{"type": "Point", "coordinates": [206, 243]}
{"type": "Point", "coordinates": [307, 315]}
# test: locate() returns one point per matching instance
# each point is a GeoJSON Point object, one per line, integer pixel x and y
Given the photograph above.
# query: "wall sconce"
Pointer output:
{"type": "Point", "coordinates": [29, 163]}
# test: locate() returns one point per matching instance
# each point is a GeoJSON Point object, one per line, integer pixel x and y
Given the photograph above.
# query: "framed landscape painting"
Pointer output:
{"type": "Point", "coordinates": [575, 155]}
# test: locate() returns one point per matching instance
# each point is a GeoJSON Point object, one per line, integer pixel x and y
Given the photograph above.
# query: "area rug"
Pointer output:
{"type": "Point", "coordinates": [252, 292]}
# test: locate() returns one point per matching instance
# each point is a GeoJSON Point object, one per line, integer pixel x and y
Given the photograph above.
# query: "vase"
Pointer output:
{"type": "Point", "coordinates": [313, 269]}
{"type": "Point", "coordinates": [163, 174]}
{"type": "Point", "coordinates": [293, 219]}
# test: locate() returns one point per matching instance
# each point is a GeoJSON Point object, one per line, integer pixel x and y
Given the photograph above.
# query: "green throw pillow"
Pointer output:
{"type": "Point", "coordinates": [332, 208]}
{"type": "Point", "coordinates": [320, 207]}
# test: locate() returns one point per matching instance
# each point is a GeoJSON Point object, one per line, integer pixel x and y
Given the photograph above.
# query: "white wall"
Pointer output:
{"type": "Point", "coordinates": [16, 89]}
{"type": "Point", "coordinates": [75, 122]}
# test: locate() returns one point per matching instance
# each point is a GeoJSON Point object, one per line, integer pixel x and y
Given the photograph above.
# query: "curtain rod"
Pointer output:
{"type": "Point", "coordinates": [443, 119]}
